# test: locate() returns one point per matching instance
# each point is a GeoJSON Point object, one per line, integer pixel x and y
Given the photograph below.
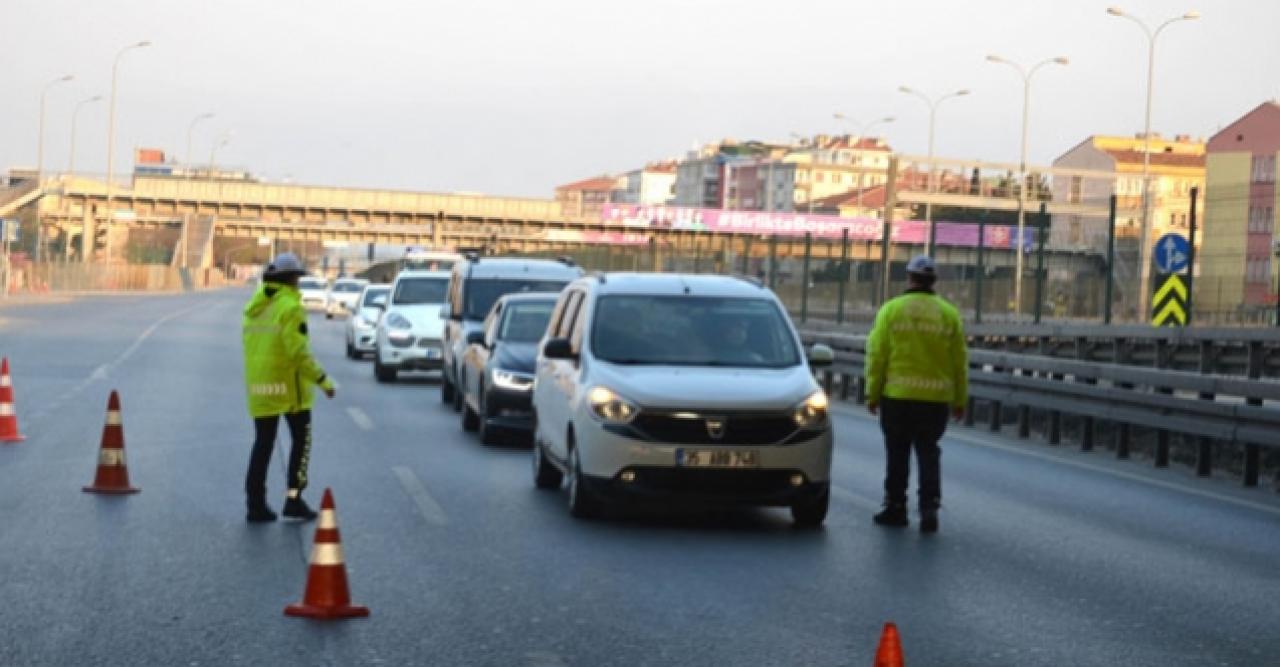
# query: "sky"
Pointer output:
{"type": "Point", "coordinates": [513, 97]}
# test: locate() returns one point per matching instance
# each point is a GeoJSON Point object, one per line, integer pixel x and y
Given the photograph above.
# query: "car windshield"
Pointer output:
{"type": "Point", "coordinates": [692, 331]}
{"type": "Point", "coordinates": [348, 287]}
{"type": "Point", "coordinates": [310, 283]}
{"type": "Point", "coordinates": [525, 322]}
{"type": "Point", "coordinates": [372, 294]}
{"type": "Point", "coordinates": [421, 290]}
{"type": "Point", "coordinates": [482, 293]}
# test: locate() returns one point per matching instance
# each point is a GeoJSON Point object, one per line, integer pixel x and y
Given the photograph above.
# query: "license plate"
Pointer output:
{"type": "Point", "coordinates": [716, 458]}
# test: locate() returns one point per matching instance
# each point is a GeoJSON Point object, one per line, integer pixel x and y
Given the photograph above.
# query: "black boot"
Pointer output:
{"type": "Point", "coordinates": [296, 508]}
{"type": "Point", "coordinates": [260, 513]}
{"type": "Point", "coordinates": [893, 514]}
{"type": "Point", "coordinates": [928, 519]}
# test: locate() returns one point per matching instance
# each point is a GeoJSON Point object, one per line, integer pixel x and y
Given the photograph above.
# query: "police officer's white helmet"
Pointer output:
{"type": "Point", "coordinates": [283, 266]}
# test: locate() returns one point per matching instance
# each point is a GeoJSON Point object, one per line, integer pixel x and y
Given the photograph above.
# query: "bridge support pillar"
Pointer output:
{"type": "Point", "coordinates": [845, 379]}
{"type": "Point", "coordinates": [1055, 427]}
{"type": "Point", "coordinates": [861, 395]}
{"type": "Point", "coordinates": [1204, 458]}
{"type": "Point", "coordinates": [968, 412]}
{"type": "Point", "coordinates": [1024, 421]}
{"type": "Point", "coordinates": [1124, 434]}
{"type": "Point", "coordinates": [996, 416]}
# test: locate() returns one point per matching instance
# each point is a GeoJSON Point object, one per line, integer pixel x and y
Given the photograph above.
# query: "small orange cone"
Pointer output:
{"type": "Point", "coordinates": [113, 474]}
{"type": "Point", "coordinates": [327, 595]}
{"type": "Point", "coordinates": [8, 415]}
{"type": "Point", "coordinates": [889, 654]}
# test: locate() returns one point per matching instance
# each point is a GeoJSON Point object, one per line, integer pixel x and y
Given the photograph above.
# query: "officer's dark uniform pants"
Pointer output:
{"type": "Point", "coordinates": [907, 425]}
{"type": "Point", "coordinates": [264, 430]}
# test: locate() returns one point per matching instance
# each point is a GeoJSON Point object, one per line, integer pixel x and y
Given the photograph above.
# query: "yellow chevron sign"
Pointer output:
{"type": "Point", "coordinates": [1169, 305]}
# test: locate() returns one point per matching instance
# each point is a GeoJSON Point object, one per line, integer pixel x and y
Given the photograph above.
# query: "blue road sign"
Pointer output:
{"type": "Point", "coordinates": [1172, 252]}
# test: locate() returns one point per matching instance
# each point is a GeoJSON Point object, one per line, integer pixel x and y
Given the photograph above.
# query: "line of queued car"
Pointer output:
{"type": "Point", "coordinates": [631, 387]}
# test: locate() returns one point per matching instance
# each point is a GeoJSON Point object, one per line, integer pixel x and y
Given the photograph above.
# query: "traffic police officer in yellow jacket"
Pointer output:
{"type": "Point", "coordinates": [279, 372]}
{"type": "Point", "coordinates": [917, 370]}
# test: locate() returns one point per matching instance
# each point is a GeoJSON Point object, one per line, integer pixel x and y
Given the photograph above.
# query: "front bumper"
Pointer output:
{"type": "Point", "coordinates": [364, 340]}
{"type": "Point", "coordinates": [605, 455]}
{"type": "Point", "coordinates": [418, 354]}
{"type": "Point", "coordinates": [509, 410]}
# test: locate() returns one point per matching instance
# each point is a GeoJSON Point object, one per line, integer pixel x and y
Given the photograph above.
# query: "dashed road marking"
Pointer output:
{"type": "Point", "coordinates": [360, 418]}
{"type": "Point", "coordinates": [427, 506]}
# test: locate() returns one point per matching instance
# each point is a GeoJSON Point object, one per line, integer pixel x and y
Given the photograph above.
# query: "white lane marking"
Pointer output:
{"type": "Point", "coordinates": [360, 418]}
{"type": "Point", "coordinates": [427, 506]}
{"type": "Point", "coordinates": [1084, 465]}
{"type": "Point", "coordinates": [853, 498]}
{"type": "Point", "coordinates": [101, 372]}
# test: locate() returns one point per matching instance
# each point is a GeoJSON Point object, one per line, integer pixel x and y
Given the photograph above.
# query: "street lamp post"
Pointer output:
{"type": "Point", "coordinates": [1026, 75]}
{"type": "Point", "coordinates": [111, 143]}
{"type": "Point", "coordinates": [75, 116]}
{"type": "Point", "coordinates": [213, 150]}
{"type": "Point", "coordinates": [40, 140]}
{"type": "Point", "coordinates": [191, 129]}
{"type": "Point", "coordinates": [1144, 258]}
{"type": "Point", "coordinates": [863, 130]}
{"type": "Point", "coordinates": [933, 108]}
{"type": "Point", "coordinates": [39, 167]}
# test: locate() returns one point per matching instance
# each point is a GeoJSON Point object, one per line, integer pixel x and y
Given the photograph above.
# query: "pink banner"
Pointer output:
{"type": "Point", "coordinates": [798, 224]}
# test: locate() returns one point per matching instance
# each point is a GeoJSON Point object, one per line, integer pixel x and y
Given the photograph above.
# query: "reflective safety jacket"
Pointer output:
{"type": "Point", "coordinates": [279, 370]}
{"type": "Point", "coordinates": [917, 351]}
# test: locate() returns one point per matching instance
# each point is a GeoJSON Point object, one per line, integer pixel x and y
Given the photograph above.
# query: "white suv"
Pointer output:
{"type": "Point", "coordinates": [680, 388]}
{"type": "Point", "coordinates": [409, 331]}
{"type": "Point", "coordinates": [343, 296]}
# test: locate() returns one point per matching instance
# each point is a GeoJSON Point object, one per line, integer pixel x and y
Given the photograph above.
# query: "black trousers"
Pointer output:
{"type": "Point", "coordinates": [264, 442]}
{"type": "Point", "coordinates": [914, 425]}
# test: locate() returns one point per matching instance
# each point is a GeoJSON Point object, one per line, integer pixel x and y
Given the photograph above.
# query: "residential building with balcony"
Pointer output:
{"type": "Point", "coordinates": [1114, 164]}
{"type": "Point", "coordinates": [585, 199]}
{"type": "Point", "coordinates": [652, 185]}
{"type": "Point", "coordinates": [1239, 259]}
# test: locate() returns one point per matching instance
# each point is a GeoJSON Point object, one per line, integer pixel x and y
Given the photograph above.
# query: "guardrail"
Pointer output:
{"type": "Point", "coordinates": [1217, 411]}
{"type": "Point", "coordinates": [1246, 352]}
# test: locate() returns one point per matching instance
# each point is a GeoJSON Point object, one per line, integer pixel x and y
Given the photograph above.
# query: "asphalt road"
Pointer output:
{"type": "Point", "coordinates": [1045, 557]}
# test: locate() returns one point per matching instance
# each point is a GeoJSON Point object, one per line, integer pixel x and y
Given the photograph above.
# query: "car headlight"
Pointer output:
{"type": "Point", "coordinates": [398, 321]}
{"type": "Point", "coordinates": [365, 322]}
{"type": "Point", "coordinates": [812, 412]}
{"type": "Point", "coordinates": [610, 407]}
{"type": "Point", "coordinates": [511, 381]}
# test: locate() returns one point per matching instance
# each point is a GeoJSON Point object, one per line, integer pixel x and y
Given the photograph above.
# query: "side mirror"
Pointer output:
{"type": "Point", "coordinates": [821, 355]}
{"type": "Point", "coordinates": [475, 338]}
{"type": "Point", "coordinates": [558, 348]}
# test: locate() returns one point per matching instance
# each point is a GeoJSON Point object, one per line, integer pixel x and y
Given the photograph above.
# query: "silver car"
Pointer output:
{"type": "Point", "coordinates": [684, 388]}
{"type": "Point", "coordinates": [362, 326]}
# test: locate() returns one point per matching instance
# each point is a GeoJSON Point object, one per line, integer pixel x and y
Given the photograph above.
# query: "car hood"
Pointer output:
{"type": "Point", "coordinates": [424, 317]}
{"type": "Point", "coordinates": [694, 387]}
{"type": "Point", "coordinates": [518, 357]}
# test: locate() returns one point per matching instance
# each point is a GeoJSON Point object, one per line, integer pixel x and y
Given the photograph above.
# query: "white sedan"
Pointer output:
{"type": "Point", "coordinates": [362, 326]}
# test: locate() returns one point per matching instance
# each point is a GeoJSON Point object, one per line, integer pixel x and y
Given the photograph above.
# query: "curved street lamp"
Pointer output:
{"type": "Point", "coordinates": [186, 158]}
{"type": "Point", "coordinates": [40, 139]}
{"type": "Point", "coordinates": [1026, 75]}
{"type": "Point", "coordinates": [933, 109]}
{"type": "Point", "coordinates": [1144, 249]}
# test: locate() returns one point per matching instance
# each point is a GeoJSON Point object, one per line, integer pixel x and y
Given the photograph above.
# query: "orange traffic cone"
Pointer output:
{"type": "Point", "coordinates": [327, 595]}
{"type": "Point", "coordinates": [113, 474]}
{"type": "Point", "coordinates": [8, 416]}
{"type": "Point", "coordinates": [889, 653]}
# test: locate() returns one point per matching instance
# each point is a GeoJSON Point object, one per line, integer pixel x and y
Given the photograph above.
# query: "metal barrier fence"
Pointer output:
{"type": "Point", "coordinates": [71, 277]}
{"type": "Point", "coordinates": [1203, 420]}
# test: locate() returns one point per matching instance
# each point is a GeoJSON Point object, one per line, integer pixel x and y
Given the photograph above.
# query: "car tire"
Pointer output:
{"type": "Point", "coordinates": [545, 474]}
{"type": "Point", "coordinates": [811, 513]}
{"type": "Point", "coordinates": [382, 373]}
{"type": "Point", "coordinates": [351, 351]}
{"type": "Point", "coordinates": [457, 397]}
{"type": "Point", "coordinates": [470, 420]}
{"type": "Point", "coordinates": [581, 504]}
{"type": "Point", "coordinates": [488, 434]}
{"type": "Point", "coordinates": [328, 316]}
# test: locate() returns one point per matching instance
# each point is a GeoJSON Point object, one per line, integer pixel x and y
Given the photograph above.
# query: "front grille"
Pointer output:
{"type": "Point", "coordinates": [400, 342]}
{"type": "Point", "coordinates": [738, 429]}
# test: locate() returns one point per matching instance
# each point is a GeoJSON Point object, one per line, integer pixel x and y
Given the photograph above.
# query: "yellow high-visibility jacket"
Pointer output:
{"type": "Point", "coordinates": [917, 351]}
{"type": "Point", "coordinates": [279, 370]}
